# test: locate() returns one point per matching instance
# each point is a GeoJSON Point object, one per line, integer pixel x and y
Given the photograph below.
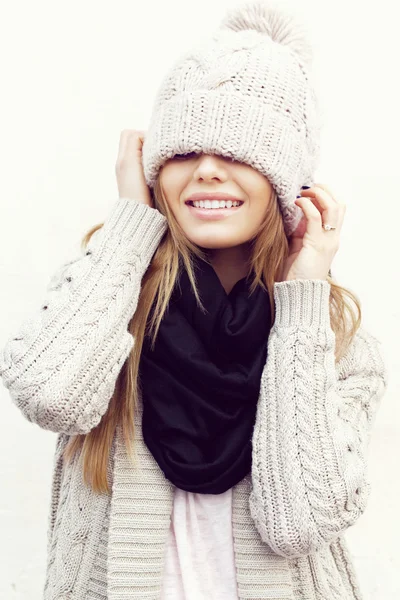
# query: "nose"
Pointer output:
{"type": "Point", "coordinates": [209, 167]}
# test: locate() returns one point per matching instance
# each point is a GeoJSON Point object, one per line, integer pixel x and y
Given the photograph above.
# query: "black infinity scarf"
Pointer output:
{"type": "Point", "coordinates": [201, 383]}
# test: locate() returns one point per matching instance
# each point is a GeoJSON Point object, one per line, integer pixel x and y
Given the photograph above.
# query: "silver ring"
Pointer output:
{"type": "Point", "coordinates": [328, 227]}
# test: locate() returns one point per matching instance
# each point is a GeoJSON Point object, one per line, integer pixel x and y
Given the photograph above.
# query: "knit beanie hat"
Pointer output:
{"type": "Point", "coordinates": [246, 93]}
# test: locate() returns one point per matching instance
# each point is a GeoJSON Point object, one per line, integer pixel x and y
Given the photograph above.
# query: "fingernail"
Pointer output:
{"type": "Point", "coordinates": [299, 196]}
{"type": "Point", "coordinates": [305, 187]}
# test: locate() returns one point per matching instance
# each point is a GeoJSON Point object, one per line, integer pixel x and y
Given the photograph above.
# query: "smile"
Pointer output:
{"type": "Point", "coordinates": [214, 204]}
{"type": "Point", "coordinates": [213, 209]}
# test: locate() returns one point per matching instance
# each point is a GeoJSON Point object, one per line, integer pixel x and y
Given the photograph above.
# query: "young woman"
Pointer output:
{"type": "Point", "coordinates": [212, 388]}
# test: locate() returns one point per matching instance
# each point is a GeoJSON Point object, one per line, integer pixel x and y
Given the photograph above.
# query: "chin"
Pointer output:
{"type": "Point", "coordinates": [216, 242]}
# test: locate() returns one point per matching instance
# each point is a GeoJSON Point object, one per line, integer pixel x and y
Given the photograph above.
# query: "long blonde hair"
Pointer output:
{"type": "Point", "coordinates": [269, 248]}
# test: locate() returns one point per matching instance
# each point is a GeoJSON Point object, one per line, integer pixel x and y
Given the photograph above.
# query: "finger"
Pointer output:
{"type": "Point", "coordinates": [312, 214]}
{"type": "Point", "coordinates": [130, 145]}
{"type": "Point", "coordinates": [122, 144]}
{"type": "Point", "coordinates": [327, 189]}
{"type": "Point", "coordinates": [125, 143]}
{"type": "Point", "coordinates": [330, 220]}
{"type": "Point", "coordinates": [330, 209]}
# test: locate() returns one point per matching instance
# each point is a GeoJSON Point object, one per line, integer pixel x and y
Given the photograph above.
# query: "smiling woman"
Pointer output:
{"type": "Point", "coordinates": [214, 177]}
{"type": "Point", "coordinates": [212, 388]}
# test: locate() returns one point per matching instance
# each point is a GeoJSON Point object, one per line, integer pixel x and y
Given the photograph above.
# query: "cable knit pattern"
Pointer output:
{"type": "Point", "coordinates": [313, 423]}
{"type": "Point", "coordinates": [308, 482]}
{"type": "Point", "coordinates": [62, 365]}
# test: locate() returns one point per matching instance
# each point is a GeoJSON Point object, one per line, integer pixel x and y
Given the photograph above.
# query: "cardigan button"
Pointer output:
{"type": "Point", "coordinates": [350, 504]}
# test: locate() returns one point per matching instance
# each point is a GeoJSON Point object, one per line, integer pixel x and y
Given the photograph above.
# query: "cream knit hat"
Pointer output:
{"type": "Point", "coordinates": [244, 93]}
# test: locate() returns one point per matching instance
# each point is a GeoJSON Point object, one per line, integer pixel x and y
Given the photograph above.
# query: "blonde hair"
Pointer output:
{"type": "Point", "coordinates": [269, 249]}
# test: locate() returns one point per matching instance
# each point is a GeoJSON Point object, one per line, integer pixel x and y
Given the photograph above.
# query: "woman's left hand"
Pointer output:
{"type": "Point", "coordinates": [311, 247]}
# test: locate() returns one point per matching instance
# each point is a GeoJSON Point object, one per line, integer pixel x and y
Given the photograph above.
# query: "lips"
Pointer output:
{"type": "Point", "coordinates": [212, 214]}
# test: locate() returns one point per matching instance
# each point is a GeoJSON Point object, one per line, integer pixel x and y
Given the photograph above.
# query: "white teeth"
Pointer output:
{"type": "Point", "coordinates": [215, 203]}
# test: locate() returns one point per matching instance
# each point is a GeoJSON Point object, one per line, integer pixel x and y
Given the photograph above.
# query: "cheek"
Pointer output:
{"type": "Point", "coordinates": [258, 208]}
{"type": "Point", "coordinates": [173, 184]}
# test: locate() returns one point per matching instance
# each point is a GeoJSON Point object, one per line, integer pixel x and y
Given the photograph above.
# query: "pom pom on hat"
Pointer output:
{"type": "Point", "coordinates": [272, 18]}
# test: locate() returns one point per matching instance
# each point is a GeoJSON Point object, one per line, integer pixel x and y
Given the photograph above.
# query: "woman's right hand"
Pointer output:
{"type": "Point", "coordinates": [129, 168]}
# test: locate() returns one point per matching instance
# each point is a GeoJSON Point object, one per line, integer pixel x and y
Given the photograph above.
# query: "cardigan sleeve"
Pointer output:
{"type": "Point", "coordinates": [313, 424]}
{"type": "Point", "coordinates": [61, 366]}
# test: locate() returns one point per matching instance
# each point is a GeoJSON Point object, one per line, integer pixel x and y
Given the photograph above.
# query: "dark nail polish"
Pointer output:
{"type": "Point", "coordinates": [305, 187]}
{"type": "Point", "coordinates": [299, 196]}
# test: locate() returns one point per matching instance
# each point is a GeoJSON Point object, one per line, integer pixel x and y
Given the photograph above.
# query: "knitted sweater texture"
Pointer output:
{"type": "Point", "coordinates": [309, 478]}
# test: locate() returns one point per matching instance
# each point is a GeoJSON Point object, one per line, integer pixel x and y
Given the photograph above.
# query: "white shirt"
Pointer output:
{"type": "Point", "coordinates": [199, 559]}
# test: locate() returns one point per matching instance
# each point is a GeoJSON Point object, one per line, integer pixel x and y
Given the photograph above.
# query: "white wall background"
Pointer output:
{"type": "Point", "coordinates": [74, 74]}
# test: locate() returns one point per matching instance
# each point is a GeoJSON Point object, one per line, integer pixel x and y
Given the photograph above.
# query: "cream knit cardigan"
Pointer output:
{"type": "Point", "coordinates": [308, 482]}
